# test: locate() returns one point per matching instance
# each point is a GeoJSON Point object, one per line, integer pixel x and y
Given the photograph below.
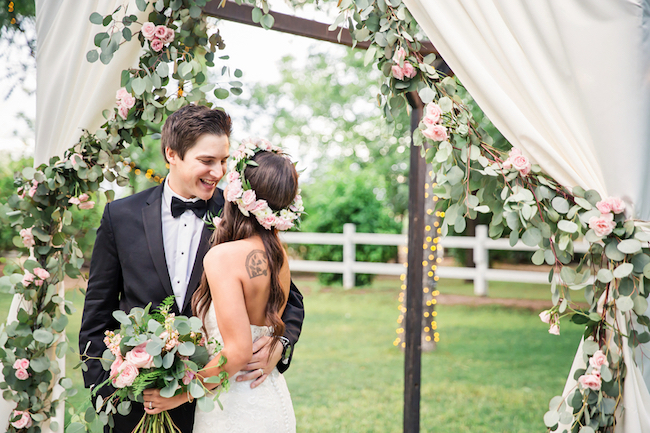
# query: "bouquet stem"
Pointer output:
{"type": "Point", "coordinates": [158, 423]}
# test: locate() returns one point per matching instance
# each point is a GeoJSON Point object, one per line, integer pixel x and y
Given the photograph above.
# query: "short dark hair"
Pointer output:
{"type": "Point", "coordinates": [183, 127]}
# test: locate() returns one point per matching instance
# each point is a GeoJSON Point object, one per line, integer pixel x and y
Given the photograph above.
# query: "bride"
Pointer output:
{"type": "Point", "coordinates": [244, 290]}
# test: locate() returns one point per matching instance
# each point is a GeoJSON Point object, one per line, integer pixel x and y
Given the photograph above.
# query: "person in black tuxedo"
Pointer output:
{"type": "Point", "coordinates": [151, 245]}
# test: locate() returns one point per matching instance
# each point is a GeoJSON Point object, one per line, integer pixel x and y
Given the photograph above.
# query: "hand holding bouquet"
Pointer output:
{"type": "Point", "coordinates": [155, 350]}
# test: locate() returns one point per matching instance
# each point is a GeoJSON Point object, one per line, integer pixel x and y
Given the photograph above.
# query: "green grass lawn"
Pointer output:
{"type": "Point", "coordinates": [494, 370]}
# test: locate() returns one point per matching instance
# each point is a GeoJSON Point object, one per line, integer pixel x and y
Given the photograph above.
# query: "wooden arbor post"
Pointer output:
{"type": "Point", "coordinates": [417, 174]}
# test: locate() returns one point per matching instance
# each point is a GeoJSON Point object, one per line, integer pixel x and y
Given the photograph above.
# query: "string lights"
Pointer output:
{"type": "Point", "coordinates": [430, 265]}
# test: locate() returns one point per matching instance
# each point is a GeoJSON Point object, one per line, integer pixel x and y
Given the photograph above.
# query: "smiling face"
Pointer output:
{"type": "Point", "coordinates": [204, 164]}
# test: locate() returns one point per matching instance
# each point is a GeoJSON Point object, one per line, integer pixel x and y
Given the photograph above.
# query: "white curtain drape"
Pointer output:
{"type": "Point", "coordinates": [70, 96]}
{"type": "Point", "coordinates": [568, 82]}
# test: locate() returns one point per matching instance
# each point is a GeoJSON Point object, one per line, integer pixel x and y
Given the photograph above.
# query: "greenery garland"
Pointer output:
{"type": "Point", "coordinates": [472, 177]}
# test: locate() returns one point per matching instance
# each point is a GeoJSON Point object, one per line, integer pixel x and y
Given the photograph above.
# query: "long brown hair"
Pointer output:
{"type": "Point", "coordinates": [275, 180]}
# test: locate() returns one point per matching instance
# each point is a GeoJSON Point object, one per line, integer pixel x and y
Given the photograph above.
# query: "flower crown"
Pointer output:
{"type": "Point", "coordinates": [241, 193]}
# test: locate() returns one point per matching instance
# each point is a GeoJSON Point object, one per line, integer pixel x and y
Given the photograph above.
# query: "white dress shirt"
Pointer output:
{"type": "Point", "coordinates": [181, 238]}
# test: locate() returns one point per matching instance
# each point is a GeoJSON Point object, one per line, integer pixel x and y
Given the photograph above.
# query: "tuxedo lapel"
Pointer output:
{"type": "Point", "coordinates": [197, 269]}
{"type": "Point", "coordinates": [152, 220]}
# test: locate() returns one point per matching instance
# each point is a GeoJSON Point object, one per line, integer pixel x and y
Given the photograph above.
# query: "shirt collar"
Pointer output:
{"type": "Point", "coordinates": [168, 193]}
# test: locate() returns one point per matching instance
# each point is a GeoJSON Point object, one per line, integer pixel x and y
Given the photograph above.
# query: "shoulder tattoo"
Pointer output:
{"type": "Point", "coordinates": [256, 263]}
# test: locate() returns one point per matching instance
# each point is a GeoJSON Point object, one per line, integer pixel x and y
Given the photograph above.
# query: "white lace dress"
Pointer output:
{"type": "Point", "coordinates": [266, 408]}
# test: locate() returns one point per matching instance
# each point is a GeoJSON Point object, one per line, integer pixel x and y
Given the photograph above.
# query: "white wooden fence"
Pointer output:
{"type": "Point", "coordinates": [480, 244]}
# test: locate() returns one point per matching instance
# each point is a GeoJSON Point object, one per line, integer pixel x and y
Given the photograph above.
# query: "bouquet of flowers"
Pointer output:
{"type": "Point", "coordinates": [156, 350]}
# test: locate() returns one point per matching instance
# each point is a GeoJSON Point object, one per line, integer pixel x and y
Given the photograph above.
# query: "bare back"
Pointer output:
{"type": "Point", "coordinates": [240, 268]}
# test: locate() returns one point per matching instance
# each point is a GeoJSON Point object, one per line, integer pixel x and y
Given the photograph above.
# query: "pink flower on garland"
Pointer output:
{"type": "Point", "coordinates": [148, 30]}
{"type": "Point", "coordinates": [611, 204]}
{"type": "Point", "coordinates": [22, 374]}
{"type": "Point", "coordinates": [25, 420]}
{"type": "Point", "coordinates": [602, 225]}
{"type": "Point", "coordinates": [28, 237]}
{"type": "Point", "coordinates": [436, 133]}
{"type": "Point", "coordinates": [591, 381]}
{"type": "Point", "coordinates": [27, 278]}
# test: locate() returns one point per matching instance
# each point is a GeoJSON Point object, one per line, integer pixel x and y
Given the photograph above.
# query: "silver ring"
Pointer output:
{"type": "Point", "coordinates": [261, 371]}
{"type": "Point", "coordinates": [150, 405]}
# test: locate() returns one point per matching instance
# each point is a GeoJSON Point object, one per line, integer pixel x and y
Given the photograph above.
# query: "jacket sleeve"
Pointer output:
{"type": "Point", "coordinates": [293, 316]}
{"type": "Point", "coordinates": [102, 298]}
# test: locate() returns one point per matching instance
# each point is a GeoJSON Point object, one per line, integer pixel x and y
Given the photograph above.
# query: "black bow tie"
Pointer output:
{"type": "Point", "coordinates": [179, 206]}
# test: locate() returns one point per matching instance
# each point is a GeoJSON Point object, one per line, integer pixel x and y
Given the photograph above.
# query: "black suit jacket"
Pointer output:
{"type": "Point", "coordinates": [128, 269]}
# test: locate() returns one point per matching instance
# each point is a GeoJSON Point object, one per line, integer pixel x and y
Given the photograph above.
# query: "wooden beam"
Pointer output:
{"type": "Point", "coordinates": [291, 24]}
{"type": "Point", "coordinates": [413, 326]}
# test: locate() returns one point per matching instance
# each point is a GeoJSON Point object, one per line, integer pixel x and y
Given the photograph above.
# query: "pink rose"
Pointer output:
{"type": "Point", "coordinates": [169, 36]}
{"type": "Point", "coordinates": [259, 206]}
{"type": "Point", "coordinates": [123, 111]}
{"type": "Point", "coordinates": [21, 192]}
{"type": "Point", "coordinates": [87, 205]}
{"type": "Point", "coordinates": [41, 273]}
{"type": "Point", "coordinates": [554, 329]}
{"type": "Point", "coordinates": [433, 112]}
{"type": "Point", "coordinates": [128, 101]}
{"type": "Point", "coordinates": [591, 381]}
{"type": "Point", "coordinates": [25, 420]}
{"type": "Point", "coordinates": [74, 200]}
{"type": "Point", "coordinates": [602, 225]}
{"type": "Point", "coordinates": [611, 204]}
{"type": "Point", "coordinates": [248, 199]}
{"type": "Point", "coordinates": [234, 190]}
{"type": "Point", "coordinates": [399, 56]}
{"type": "Point", "coordinates": [27, 278]}
{"type": "Point", "coordinates": [598, 360]}
{"type": "Point", "coordinates": [409, 70]}
{"type": "Point", "coordinates": [21, 363]}
{"type": "Point", "coordinates": [28, 237]}
{"type": "Point", "coordinates": [127, 374]}
{"type": "Point", "coordinates": [232, 176]}
{"type": "Point", "coordinates": [397, 72]}
{"type": "Point", "coordinates": [115, 366]}
{"type": "Point", "coordinates": [157, 45]}
{"type": "Point", "coordinates": [161, 32]}
{"type": "Point", "coordinates": [121, 94]}
{"type": "Point", "coordinates": [38, 283]}
{"type": "Point", "coordinates": [189, 375]}
{"type": "Point", "coordinates": [268, 221]}
{"type": "Point", "coordinates": [148, 30]}
{"type": "Point", "coordinates": [33, 189]}
{"type": "Point", "coordinates": [265, 145]}
{"type": "Point", "coordinates": [283, 224]}
{"type": "Point", "coordinates": [436, 132]}
{"type": "Point", "coordinates": [521, 163]}
{"type": "Point", "coordinates": [545, 316]}
{"type": "Point", "coordinates": [514, 152]}
{"type": "Point", "coordinates": [139, 357]}
{"type": "Point", "coordinates": [22, 374]}
{"type": "Point", "coordinates": [84, 197]}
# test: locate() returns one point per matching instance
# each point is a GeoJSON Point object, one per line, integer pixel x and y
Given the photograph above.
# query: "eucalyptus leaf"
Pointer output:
{"type": "Point", "coordinates": [551, 418]}
{"type": "Point", "coordinates": [629, 246]}
{"type": "Point", "coordinates": [561, 205]}
{"type": "Point", "coordinates": [567, 226]}
{"type": "Point", "coordinates": [532, 237]}
{"type": "Point", "coordinates": [623, 270]}
{"type": "Point", "coordinates": [624, 303]}
{"type": "Point", "coordinates": [205, 404]}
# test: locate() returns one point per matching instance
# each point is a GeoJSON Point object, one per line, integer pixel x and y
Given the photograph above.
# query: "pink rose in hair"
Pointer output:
{"type": "Point", "coordinates": [189, 375]}
{"type": "Point", "coordinates": [87, 205]}
{"type": "Point", "coordinates": [161, 32]}
{"type": "Point", "coordinates": [248, 199]}
{"type": "Point", "coordinates": [268, 221]}
{"type": "Point", "coordinates": [399, 56]}
{"type": "Point", "coordinates": [283, 224]}
{"type": "Point", "coordinates": [21, 363]}
{"type": "Point", "coordinates": [27, 278]}
{"type": "Point", "coordinates": [433, 112]}
{"type": "Point", "coordinates": [259, 206]}
{"type": "Point", "coordinates": [25, 420]}
{"type": "Point", "coordinates": [41, 273]}
{"type": "Point", "coordinates": [148, 30]}
{"type": "Point", "coordinates": [232, 176]}
{"type": "Point", "coordinates": [554, 329]}
{"type": "Point", "coordinates": [139, 357]}
{"type": "Point", "coordinates": [436, 132]}
{"type": "Point", "coordinates": [409, 70]}
{"type": "Point", "coordinates": [157, 45]}
{"type": "Point", "coordinates": [397, 72]}
{"type": "Point", "coordinates": [602, 225]}
{"type": "Point", "coordinates": [598, 360]}
{"type": "Point", "coordinates": [521, 163]}
{"type": "Point", "coordinates": [22, 374]}
{"type": "Point", "coordinates": [127, 374]}
{"type": "Point", "coordinates": [28, 237]}
{"type": "Point", "coordinates": [235, 190]}
{"type": "Point", "coordinates": [591, 381]}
